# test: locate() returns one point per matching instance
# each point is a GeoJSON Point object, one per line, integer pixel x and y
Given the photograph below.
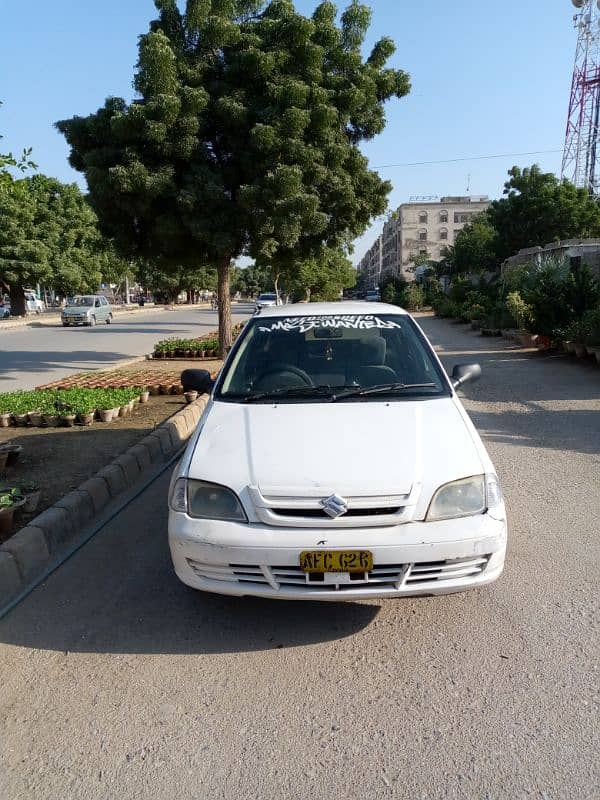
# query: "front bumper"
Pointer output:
{"type": "Point", "coordinates": [416, 558]}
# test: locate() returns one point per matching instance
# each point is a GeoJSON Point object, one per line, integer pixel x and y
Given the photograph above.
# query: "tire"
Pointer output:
{"type": "Point", "coordinates": [109, 319]}
{"type": "Point", "coordinates": [38, 310]}
{"type": "Point", "coordinates": [92, 321]}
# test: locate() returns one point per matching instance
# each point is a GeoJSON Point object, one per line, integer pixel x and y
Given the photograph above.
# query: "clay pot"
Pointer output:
{"type": "Point", "coordinates": [68, 420]}
{"type": "Point", "coordinates": [51, 420]}
{"type": "Point", "coordinates": [178, 389]}
{"type": "Point", "coordinates": [164, 388]}
{"type": "Point", "coordinates": [154, 390]}
{"type": "Point", "coordinates": [191, 396]}
{"type": "Point", "coordinates": [35, 418]}
{"type": "Point", "coordinates": [106, 414]}
{"type": "Point", "coordinates": [32, 500]}
{"type": "Point", "coordinates": [21, 420]}
{"type": "Point", "coordinates": [144, 397]}
{"type": "Point", "coordinates": [4, 420]}
{"type": "Point", "coordinates": [86, 419]}
{"type": "Point", "coordinates": [580, 350]}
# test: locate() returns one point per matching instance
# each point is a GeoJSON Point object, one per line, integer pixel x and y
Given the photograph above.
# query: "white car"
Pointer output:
{"type": "Point", "coordinates": [334, 461]}
{"type": "Point", "coordinates": [266, 300]}
{"type": "Point", "coordinates": [33, 303]}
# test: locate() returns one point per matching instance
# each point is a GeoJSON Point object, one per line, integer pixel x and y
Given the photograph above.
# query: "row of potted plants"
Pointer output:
{"type": "Point", "coordinates": [186, 348]}
{"type": "Point", "coordinates": [49, 408]}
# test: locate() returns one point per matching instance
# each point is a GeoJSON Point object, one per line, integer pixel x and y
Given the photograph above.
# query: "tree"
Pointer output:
{"type": "Point", "coordinates": [8, 161]}
{"type": "Point", "coordinates": [169, 282]}
{"type": "Point", "coordinates": [48, 234]}
{"type": "Point", "coordinates": [475, 248]}
{"type": "Point", "coordinates": [539, 208]}
{"type": "Point", "coordinates": [244, 138]}
{"type": "Point", "coordinates": [322, 277]}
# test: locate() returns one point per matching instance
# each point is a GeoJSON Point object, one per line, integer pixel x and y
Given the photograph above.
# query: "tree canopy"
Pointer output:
{"type": "Point", "coordinates": [49, 234]}
{"type": "Point", "coordinates": [244, 138]}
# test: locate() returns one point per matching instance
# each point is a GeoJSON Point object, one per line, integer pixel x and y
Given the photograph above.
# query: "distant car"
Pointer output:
{"type": "Point", "coordinates": [4, 311]}
{"type": "Point", "coordinates": [265, 300]}
{"type": "Point", "coordinates": [33, 303]}
{"type": "Point", "coordinates": [373, 296]}
{"type": "Point", "coordinates": [87, 309]}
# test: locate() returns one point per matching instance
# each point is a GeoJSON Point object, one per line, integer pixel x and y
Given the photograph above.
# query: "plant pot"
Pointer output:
{"type": "Point", "coordinates": [131, 405]}
{"type": "Point", "coordinates": [123, 411]}
{"type": "Point", "coordinates": [21, 420]}
{"type": "Point", "coordinates": [51, 420]}
{"type": "Point", "coordinates": [106, 414]}
{"type": "Point", "coordinates": [594, 350]}
{"type": "Point", "coordinates": [154, 390]}
{"type": "Point", "coordinates": [32, 500]}
{"type": "Point", "coordinates": [35, 418]}
{"type": "Point", "coordinates": [6, 519]}
{"type": "Point", "coordinates": [569, 346]}
{"type": "Point", "coordinates": [86, 419]}
{"type": "Point", "coordinates": [178, 389]}
{"type": "Point", "coordinates": [144, 397]}
{"type": "Point", "coordinates": [188, 353]}
{"type": "Point", "coordinates": [580, 349]}
{"type": "Point", "coordinates": [542, 342]}
{"type": "Point", "coordinates": [4, 420]}
{"type": "Point", "coordinates": [164, 388]}
{"type": "Point", "coordinates": [525, 339]}
{"type": "Point", "coordinates": [191, 396]}
{"type": "Point", "coordinates": [68, 420]}
{"type": "Point", "coordinates": [12, 451]}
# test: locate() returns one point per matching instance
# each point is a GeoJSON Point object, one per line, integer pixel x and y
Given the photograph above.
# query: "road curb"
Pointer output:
{"type": "Point", "coordinates": [26, 556]}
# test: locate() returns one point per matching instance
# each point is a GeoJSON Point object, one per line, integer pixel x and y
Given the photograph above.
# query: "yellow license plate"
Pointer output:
{"type": "Point", "coordinates": [336, 561]}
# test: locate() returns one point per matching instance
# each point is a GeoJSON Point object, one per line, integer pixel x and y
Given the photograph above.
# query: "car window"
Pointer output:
{"type": "Point", "coordinates": [267, 297]}
{"type": "Point", "coordinates": [338, 351]}
{"type": "Point", "coordinates": [83, 301]}
{"type": "Point", "coordinates": [103, 301]}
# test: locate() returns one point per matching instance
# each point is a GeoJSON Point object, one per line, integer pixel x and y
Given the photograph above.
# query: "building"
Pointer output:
{"type": "Point", "coordinates": [371, 263]}
{"type": "Point", "coordinates": [424, 228]}
{"type": "Point", "coordinates": [573, 251]}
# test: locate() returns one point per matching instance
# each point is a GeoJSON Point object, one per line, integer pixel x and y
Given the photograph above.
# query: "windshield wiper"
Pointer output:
{"type": "Point", "coordinates": [383, 388]}
{"type": "Point", "coordinates": [290, 391]}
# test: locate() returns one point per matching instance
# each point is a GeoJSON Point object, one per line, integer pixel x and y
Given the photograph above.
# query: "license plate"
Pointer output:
{"type": "Point", "coordinates": [336, 561]}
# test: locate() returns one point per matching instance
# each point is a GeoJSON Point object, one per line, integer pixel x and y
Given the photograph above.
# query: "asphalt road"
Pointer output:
{"type": "Point", "coordinates": [118, 682]}
{"type": "Point", "coordinates": [33, 356]}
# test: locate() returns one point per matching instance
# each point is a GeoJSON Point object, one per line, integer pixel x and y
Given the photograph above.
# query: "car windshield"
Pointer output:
{"type": "Point", "coordinates": [82, 301]}
{"type": "Point", "coordinates": [331, 359]}
{"type": "Point", "coordinates": [267, 297]}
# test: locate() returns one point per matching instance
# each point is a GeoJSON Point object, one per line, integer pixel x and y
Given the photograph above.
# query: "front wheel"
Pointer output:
{"type": "Point", "coordinates": [109, 319]}
{"type": "Point", "coordinates": [92, 321]}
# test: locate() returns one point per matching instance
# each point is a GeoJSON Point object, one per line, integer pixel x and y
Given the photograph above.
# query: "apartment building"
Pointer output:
{"type": "Point", "coordinates": [424, 228]}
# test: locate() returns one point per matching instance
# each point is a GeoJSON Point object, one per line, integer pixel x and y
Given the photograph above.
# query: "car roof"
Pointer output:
{"type": "Point", "coordinates": [329, 309]}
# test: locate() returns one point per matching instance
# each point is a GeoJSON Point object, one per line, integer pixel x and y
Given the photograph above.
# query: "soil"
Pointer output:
{"type": "Point", "coordinates": [60, 459]}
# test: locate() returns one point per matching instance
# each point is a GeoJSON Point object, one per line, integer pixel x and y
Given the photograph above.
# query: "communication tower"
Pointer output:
{"type": "Point", "coordinates": [581, 141]}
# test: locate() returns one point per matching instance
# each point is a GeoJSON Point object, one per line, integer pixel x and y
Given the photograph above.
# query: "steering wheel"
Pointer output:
{"type": "Point", "coordinates": [284, 369]}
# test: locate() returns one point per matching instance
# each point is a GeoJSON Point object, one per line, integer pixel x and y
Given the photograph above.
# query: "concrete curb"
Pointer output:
{"type": "Point", "coordinates": [25, 557]}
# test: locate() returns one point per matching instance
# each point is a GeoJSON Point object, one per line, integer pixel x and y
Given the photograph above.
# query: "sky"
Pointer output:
{"type": "Point", "coordinates": [487, 79]}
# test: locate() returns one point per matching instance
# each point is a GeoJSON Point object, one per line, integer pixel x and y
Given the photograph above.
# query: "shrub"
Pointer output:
{"type": "Point", "coordinates": [591, 327]}
{"type": "Point", "coordinates": [519, 310]}
{"type": "Point", "coordinates": [413, 297]}
{"type": "Point", "coordinates": [477, 312]}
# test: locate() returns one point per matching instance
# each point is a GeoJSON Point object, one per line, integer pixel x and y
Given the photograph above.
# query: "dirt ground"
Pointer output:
{"type": "Point", "coordinates": [60, 459]}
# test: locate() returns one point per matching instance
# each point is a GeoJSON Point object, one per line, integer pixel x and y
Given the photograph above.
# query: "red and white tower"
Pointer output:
{"type": "Point", "coordinates": [581, 142]}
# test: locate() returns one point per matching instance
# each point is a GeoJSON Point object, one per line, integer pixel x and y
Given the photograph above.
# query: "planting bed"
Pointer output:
{"type": "Point", "coordinates": [60, 459]}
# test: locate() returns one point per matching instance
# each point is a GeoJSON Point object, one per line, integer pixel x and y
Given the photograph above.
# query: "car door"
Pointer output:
{"type": "Point", "coordinates": [98, 312]}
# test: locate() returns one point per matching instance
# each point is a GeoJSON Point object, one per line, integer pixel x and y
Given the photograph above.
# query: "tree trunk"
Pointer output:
{"type": "Point", "coordinates": [224, 305]}
{"type": "Point", "coordinates": [17, 301]}
{"type": "Point", "coordinates": [308, 293]}
{"type": "Point", "coordinates": [276, 282]}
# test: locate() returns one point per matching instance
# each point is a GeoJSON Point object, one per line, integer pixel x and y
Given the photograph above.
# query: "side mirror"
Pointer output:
{"type": "Point", "coordinates": [198, 380]}
{"type": "Point", "coordinates": [463, 373]}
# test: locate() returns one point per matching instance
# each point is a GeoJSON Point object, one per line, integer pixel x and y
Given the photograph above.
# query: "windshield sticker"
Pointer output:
{"type": "Point", "coordinates": [355, 321]}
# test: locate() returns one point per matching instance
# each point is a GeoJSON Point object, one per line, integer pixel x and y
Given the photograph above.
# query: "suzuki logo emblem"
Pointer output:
{"type": "Point", "coordinates": [335, 506]}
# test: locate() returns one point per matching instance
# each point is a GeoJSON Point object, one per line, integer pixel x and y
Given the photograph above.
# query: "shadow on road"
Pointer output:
{"type": "Point", "coordinates": [119, 594]}
{"type": "Point", "coordinates": [34, 361]}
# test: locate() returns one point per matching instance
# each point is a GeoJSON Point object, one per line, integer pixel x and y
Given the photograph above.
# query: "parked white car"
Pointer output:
{"type": "Point", "coordinates": [333, 461]}
{"type": "Point", "coordinates": [33, 303]}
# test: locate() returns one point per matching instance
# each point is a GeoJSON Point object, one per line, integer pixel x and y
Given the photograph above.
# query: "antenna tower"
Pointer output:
{"type": "Point", "coordinates": [581, 141]}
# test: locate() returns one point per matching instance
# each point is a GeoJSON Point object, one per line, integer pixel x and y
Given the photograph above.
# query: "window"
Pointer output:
{"type": "Point", "coordinates": [443, 233]}
{"type": "Point", "coordinates": [104, 301]}
{"type": "Point", "coordinates": [423, 236]}
{"type": "Point", "coordinates": [423, 251]}
{"type": "Point", "coordinates": [422, 216]}
{"type": "Point", "coordinates": [461, 217]}
{"type": "Point", "coordinates": [443, 216]}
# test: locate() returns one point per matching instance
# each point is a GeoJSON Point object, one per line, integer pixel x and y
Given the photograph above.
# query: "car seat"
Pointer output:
{"type": "Point", "coordinates": [371, 369]}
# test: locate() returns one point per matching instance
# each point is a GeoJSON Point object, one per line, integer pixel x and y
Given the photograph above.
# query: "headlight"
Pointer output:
{"type": "Point", "coordinates": [204, 500]}
{"type": "Point", "coordinates": [463, 498]}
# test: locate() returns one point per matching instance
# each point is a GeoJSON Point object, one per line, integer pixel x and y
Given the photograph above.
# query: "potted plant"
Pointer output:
{"type": "Point", "coordinates": [4, 419]}
{"type": "Point", "coordinates": [32, 493]}
{"type": "Point", "coordinates": [35, 418]}
{"type": "Point", "coordinates": [144, 396]}
{"type": "Point", "coordinates": [10, 502]}
{"type": "Point", "coordinates": [191, 396]}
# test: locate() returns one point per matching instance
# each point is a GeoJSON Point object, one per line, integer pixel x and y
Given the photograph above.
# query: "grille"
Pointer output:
{"type": "Point", "coordinates": [382, 576]}
{"type": "Point", "coordinates": [319, 513]}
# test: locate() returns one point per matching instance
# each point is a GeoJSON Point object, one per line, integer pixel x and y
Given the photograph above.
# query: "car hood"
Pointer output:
{"type": "Point", "coordinates": [353, 448]}
{"type": "Point", "coordinates": [76, 309]}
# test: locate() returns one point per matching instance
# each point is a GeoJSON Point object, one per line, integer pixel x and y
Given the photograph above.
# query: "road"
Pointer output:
{"type": "Point", "coordinates": [33, 356]}
{"type": "Point", "coordinates": [117, 681]}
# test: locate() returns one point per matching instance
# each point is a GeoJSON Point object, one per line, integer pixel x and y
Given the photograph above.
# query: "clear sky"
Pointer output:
{"type": "Point", "coordinates": [488, 78]}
